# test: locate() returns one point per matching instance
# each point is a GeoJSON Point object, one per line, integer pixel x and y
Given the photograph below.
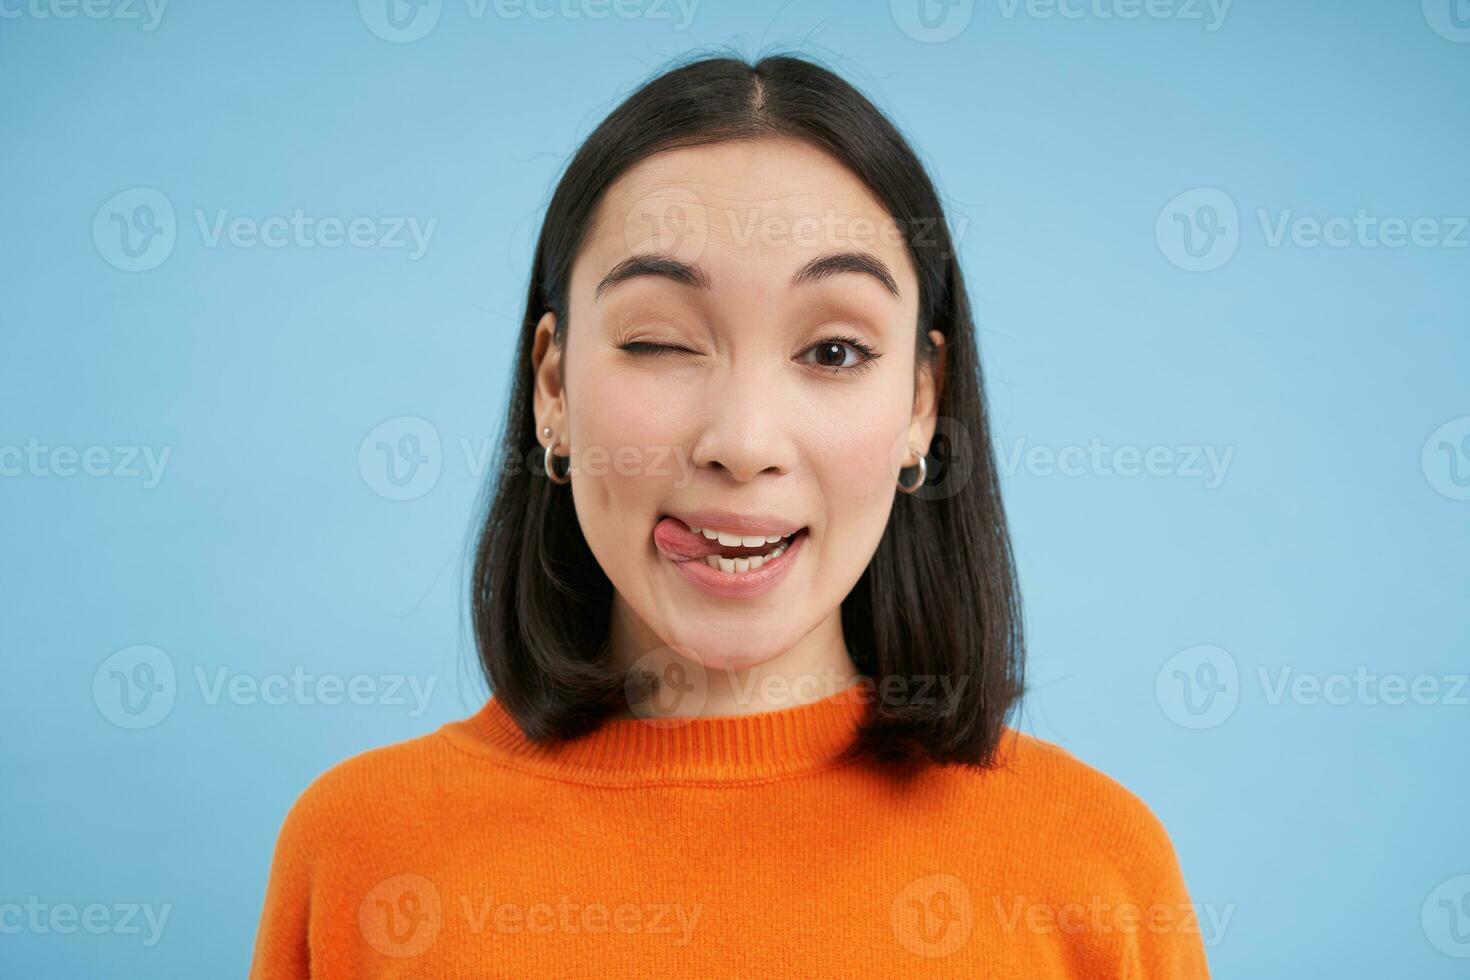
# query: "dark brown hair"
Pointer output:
{"type": "Point", "coordinates": [939, 600]}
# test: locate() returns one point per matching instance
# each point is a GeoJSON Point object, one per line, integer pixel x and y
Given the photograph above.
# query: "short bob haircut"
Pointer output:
{"type": "Point", "coordinates": [938, 605]}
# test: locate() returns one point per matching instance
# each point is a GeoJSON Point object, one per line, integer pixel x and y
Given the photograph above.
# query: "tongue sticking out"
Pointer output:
{"type": "Point", "coordinates": [678, 543]}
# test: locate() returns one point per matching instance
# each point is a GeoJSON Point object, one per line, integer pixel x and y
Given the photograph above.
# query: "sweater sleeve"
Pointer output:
{"type": "Point", "coordinates": [1164, 931]}
{"type": "Point", "coordinates": [282, 940]}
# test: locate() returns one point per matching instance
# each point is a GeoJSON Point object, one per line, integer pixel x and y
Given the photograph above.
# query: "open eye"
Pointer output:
{"type": "Point", "coordinates": [842, 354]}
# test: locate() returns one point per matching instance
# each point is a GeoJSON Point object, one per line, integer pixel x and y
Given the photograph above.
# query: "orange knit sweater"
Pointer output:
{"type": "Point", "coordinates": [719, 847]}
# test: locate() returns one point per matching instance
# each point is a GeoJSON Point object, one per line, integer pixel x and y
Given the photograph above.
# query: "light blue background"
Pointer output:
{"type": "Point", "coordinates": [1329, 545]}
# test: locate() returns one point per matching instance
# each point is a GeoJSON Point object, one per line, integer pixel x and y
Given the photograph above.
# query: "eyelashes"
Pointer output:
{"type": "Point", "coordinates": [637, 347]}
{"type": "Point", "coordinates": [866, 353]}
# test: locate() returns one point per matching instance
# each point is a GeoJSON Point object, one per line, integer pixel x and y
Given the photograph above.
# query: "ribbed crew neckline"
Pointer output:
{"type": "Point", "coordinates": [715, 748]}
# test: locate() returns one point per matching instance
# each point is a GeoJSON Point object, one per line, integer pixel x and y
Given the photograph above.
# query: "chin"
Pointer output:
{"type": "Point", "coordinates": [731, 651]}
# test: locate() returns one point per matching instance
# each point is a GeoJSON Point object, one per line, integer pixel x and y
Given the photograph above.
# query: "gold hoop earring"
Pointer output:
{"type": "Point", "coordinates": [923, 475]}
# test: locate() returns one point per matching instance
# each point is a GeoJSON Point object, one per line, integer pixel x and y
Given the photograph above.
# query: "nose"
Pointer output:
{"type": "Point", "coordinates": [748, 425]}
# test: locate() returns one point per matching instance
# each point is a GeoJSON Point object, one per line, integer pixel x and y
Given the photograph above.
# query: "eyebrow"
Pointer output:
{"type": "Point", "coordinates": [822, 267]}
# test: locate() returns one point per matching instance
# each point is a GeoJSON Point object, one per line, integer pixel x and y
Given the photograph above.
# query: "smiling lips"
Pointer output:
{"type": "Point", "coordinates": [740, 552]}
{"type": "Point", "coordinates": [725, 564]}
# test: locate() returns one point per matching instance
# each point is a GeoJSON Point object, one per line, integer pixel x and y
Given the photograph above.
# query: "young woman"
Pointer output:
{"type": "Point", "coordinates": [752, 630]}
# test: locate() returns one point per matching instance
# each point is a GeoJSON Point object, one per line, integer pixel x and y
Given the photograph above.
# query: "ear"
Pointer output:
{"type": "Point", "coordinates": [928, 386]}
{"type": "Point", "coordinates": [546, 371]}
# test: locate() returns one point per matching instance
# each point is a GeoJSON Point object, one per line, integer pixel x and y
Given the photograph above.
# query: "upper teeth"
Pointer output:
{"type": "Point", "coordinates": [742, 541]}
{"type": "Point", "coordinates": [737, 540]}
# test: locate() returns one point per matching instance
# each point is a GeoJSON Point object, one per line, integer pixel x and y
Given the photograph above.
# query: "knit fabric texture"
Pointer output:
{"type": "Point", "coordinates": [732, 846]}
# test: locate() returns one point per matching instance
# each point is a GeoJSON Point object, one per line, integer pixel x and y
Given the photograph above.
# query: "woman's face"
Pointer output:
{"type": "Point", "coordinates": [740, 358]}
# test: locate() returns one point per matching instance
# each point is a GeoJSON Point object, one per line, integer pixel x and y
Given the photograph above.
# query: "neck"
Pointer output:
{"type": "Point", "coordinates": [817, 666]}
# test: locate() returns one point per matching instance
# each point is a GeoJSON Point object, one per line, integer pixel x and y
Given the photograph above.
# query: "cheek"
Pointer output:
{"type": "Point", "coordinates": [854, 432]}
{"type": "Point", "coordinates": [626, 430]}
{"type": "Point", "coordinates": [858, 468]}
{"type": "Point", "coordinates": [616, 410]}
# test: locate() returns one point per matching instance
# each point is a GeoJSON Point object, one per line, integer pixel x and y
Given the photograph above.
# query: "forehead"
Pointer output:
{"type": "Point", "coordinates": [768, 205]}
